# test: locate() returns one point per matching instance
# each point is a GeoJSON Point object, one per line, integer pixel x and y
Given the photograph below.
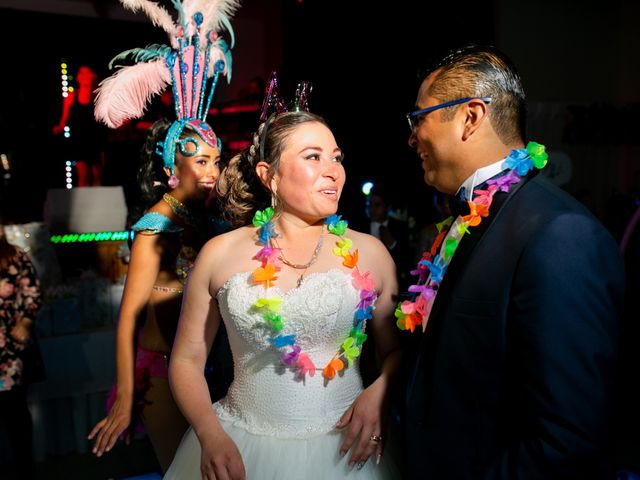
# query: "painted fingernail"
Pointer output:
{"type": "Point", "coordinates": [342, 454]}
{"type": "Point", "coordinates": [351, 464]}
{"type": "Point", "coordinates": [360, 465]}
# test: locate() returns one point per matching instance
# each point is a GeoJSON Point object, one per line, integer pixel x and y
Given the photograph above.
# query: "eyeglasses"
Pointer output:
{"type": "Point", "coordinates": [413, 119]}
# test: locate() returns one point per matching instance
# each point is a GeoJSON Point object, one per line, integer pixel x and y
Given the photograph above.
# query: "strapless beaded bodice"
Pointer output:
{"type": "Point", "coordinates": [266, 397]}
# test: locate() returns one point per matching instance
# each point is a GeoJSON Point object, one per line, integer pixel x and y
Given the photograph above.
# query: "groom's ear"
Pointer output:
{"type": "Point", "coordinates": [476, 113]}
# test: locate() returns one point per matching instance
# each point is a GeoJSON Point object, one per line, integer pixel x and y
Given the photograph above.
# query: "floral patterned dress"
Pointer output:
{"type": "Point", "coordinates": [19, 298]}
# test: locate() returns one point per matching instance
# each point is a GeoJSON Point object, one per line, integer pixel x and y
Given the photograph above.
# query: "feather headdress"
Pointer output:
{"type": "Point", "coordinates": [192, 65]}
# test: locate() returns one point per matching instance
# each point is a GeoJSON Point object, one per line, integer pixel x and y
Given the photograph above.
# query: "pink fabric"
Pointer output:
{"type": "Point", "coordinates": [156, 363]}
{"type": "Point", "coordinates": [148, 364]}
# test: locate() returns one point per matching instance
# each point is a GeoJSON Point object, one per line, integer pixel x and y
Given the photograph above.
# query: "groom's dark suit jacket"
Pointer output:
{"type": "Point", "coordinates": [514, 376]}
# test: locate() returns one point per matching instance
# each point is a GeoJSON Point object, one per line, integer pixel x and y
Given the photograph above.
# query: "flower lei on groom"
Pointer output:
{"type": "Point", "coordinates": [434, 262]}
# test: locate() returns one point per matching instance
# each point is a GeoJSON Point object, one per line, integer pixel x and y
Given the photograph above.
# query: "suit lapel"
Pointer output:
{"type": "Point", "coordinates": [463, 252]}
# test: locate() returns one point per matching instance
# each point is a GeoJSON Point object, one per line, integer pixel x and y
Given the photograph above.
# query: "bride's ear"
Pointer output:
{"type": "Point", "coordinates": [262, 171]}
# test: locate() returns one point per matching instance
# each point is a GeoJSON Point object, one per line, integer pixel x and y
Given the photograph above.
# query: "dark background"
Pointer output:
{"type": "Point", "coordinates": [578, 60]}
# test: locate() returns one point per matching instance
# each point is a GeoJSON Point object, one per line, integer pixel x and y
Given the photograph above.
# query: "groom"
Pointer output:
{"type": "Point", "coordinates": [513, 378]}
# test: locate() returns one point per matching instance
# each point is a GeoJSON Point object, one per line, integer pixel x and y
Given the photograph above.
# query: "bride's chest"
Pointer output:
{"type": "Point", "coordinates": [319, 311]}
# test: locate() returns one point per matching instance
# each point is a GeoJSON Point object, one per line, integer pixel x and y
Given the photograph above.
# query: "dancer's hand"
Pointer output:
{"type": "Point", "coordinates": [364, 419]}
{"type": "Point", "coordinates": [111, 427]}
{"type": "Point", "coordinates": [221, 458]}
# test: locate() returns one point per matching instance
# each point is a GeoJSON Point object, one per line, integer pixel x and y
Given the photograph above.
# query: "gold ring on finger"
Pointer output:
{"type": "Point", "coordinates": [375, 438]}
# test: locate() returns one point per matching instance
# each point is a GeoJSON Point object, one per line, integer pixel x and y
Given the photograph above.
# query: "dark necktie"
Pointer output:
{"type": "Point", "coordinates": [458, 203]}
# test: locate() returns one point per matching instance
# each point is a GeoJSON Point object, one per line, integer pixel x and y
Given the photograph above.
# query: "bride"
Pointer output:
{"type": "Point", "coordinates": [295, 289]}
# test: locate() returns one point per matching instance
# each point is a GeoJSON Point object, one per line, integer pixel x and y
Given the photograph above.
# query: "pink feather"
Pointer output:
{"type": "Point", "coordinates": [125, 94]}
{"type": "Point", "coordinates": [211, 11]}
{"type": "Point", "coordinates": [157, 14]}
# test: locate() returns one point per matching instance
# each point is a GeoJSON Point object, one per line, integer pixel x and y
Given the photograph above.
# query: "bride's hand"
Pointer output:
{"type": "Point", "coordinates": [364, 421]}
{"type": "Point", "coordinates": [221, 458]}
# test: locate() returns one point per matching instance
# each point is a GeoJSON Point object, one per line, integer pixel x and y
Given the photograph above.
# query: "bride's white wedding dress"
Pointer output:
{"type": "Point", "coordinates": [284, 426]}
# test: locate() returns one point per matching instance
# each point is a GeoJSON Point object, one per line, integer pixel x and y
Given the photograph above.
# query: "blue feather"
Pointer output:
{"type": "Point", "coordinates": [227, 55]}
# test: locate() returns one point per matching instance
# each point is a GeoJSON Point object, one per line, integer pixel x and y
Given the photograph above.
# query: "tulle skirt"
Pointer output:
{"type": "Point", "coordinates": [270, 458]}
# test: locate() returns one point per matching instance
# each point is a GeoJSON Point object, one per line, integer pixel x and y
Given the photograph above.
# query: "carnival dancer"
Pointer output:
{"type": "Point", "coordinates": [181, 165]}
{"type": "Point", "coordinates": [296, 289]}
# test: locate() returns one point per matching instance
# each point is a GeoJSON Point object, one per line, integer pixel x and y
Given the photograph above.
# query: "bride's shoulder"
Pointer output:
{"type": "Point", "coordinates": [221, 246]}
{"type": "Point", "coordinates": [365, 242]}
{"type": "Point", "coordinates": [227, 254]}
{"type": "Point", "coordinates": [373, 255]}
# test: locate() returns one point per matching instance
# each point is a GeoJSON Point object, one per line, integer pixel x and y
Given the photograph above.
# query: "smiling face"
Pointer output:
{"type": "Point", "coordinates": [197, 173]}
{"type": "Point", "coordinates": [310, 176]}
{"type": "Point", "coordinates": [436, 140]}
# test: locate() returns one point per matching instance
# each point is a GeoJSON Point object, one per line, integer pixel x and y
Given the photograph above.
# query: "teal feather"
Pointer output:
{"type": "Point", "coordinates": [183, 20]}
{"type": "Point", "coordinates": [227, 25]}
{"type": "Point", "coordinates": [150, 52]}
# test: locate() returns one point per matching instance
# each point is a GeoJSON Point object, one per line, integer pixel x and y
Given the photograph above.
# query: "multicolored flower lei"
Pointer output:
{"type": "Point", "coordinates": [434, 262]}
{"type": "Point", "coordinates": [269, 306]}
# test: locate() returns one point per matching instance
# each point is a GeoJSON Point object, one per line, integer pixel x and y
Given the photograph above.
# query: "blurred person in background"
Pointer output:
{"type": "Point", "coordinates": [20, 301]}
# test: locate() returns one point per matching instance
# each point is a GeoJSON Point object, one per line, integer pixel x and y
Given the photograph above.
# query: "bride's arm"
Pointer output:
{"type": "Point", "coordinates": [197, 328]}
{"type": "Point", "coordinates": [367, 415]}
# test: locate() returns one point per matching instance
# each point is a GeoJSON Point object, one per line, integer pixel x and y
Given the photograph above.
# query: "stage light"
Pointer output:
{"type": "Point", "coordinates": [366, 188]}
{"type": "Point", "coordinates": [66, 89]}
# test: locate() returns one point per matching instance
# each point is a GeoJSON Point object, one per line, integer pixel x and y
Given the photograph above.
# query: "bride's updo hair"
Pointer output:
{"type": "Point", "coordinates": [239, 187]}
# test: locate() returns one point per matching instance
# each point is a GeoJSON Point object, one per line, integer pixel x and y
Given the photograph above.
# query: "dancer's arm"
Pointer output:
{"type": "Point", "coordinates": [144, 267]}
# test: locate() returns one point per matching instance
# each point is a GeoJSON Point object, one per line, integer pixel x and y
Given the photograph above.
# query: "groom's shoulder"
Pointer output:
{"type": "Point", "coordinates": [549, 199]}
